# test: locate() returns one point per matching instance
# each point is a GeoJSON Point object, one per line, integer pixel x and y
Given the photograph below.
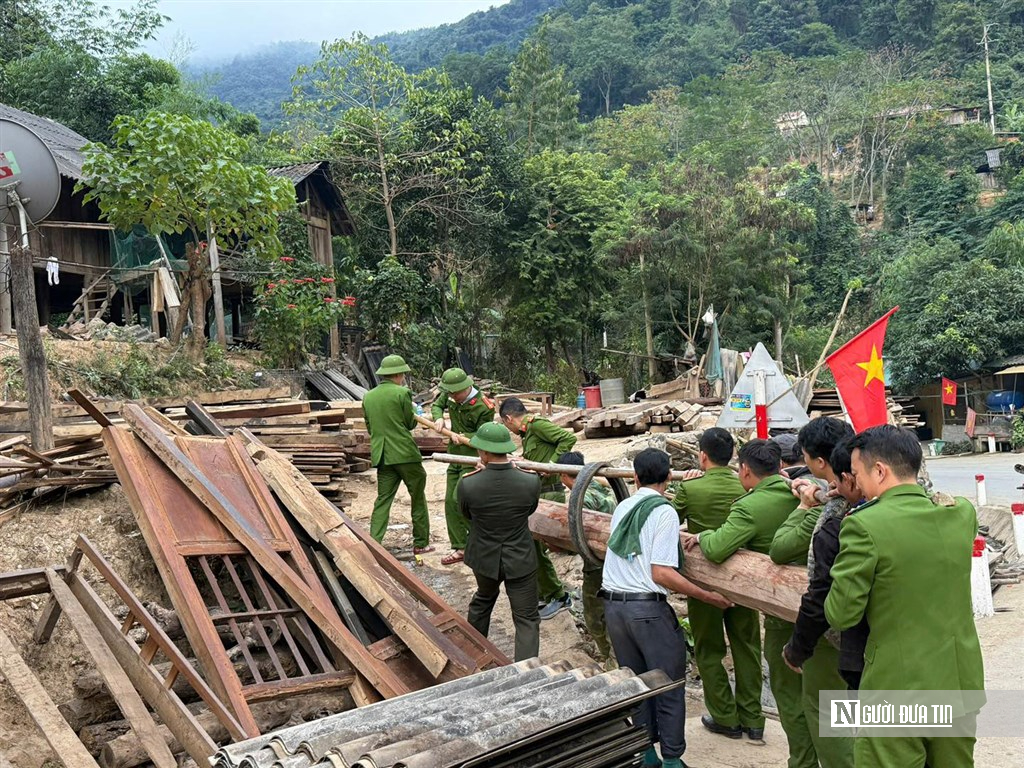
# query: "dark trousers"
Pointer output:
{"type": "Point", "coordinates": [646, 635]}
{"type": "Point", "coordinates": [522, 597]}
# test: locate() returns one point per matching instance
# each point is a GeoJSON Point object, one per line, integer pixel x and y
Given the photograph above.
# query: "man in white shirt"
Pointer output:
{"type": "Point", "coordinates": [642, 565]}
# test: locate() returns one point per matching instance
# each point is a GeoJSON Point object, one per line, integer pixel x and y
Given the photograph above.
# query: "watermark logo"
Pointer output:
{"type": "Point", "coordinates": [853, 713]}
{"type": "Point", "coordinates": [920, 713]}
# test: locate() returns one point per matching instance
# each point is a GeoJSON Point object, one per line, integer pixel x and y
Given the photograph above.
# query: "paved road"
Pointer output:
{"type": "Point", "coordinates": [956, 475]}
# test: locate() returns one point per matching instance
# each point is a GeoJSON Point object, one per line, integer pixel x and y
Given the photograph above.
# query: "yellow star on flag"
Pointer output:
{"type": "Point", "coordinates": [949, 389]}
{"type": "Point", "coordinates": [875, 367]}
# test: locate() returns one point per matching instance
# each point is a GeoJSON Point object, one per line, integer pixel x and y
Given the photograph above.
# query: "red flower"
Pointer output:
{"type": "Point", "coordinates": [298, 282]}
{"type": "Point", "coordinates": [349, 301]}
{"type": "Point", "coordinates": [309, 280]}
{"type": "Point", "coordinates": [326, 279]}
{"type": "Point", "coordinates": [328, 299]}
{"type": "Point", "coordinates": [271, 286]}
{"type": "Point", "coordinates": [291, 306]}
{"type": "Point", "coordinates": [287, 259]}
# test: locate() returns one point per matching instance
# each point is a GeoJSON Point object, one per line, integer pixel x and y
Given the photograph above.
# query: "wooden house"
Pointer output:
{"type": "Point", "coordinates": [73, 233]}
{"type": "Point", "coordinates": [321, 205]}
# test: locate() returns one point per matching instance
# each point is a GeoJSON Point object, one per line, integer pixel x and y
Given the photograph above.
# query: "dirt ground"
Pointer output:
{"type": "Point", "coordinates": [44, 536]}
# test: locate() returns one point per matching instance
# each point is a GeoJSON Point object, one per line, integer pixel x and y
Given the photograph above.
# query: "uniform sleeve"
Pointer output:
{"type": "Point", "coordinates": [438, 406]}
{"type": "Point", "coordinates": [793, 538]}
{"type": "Point", "coordinates": [463, 501]}
{"type": "Point", "coordinates": [680, 500]}
{"type": "Point", "coordinates": [665, 547]}
{"type": "Point", "coordinates": [408, 414]}
{"type": "Point", "coordinates": [562, 439]}
{"type": "Point", "coordinates": [366, 417]}
{"type": "Point", "coordinates": [736, 532]}
{"type": "Point", "coordinates": [811, 623]}
{"type": "Point", "coordinates": [853, 573]}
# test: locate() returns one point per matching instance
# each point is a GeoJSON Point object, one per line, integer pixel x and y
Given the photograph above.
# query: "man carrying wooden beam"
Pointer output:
{"type": "Point", "coordinates": [641, 566]}
{"type": "Point", "coordinates": [752, 523]}
{"type": "Point", "coordinates": [704, 504]}
{"type": "Point", "coordinates": [389, 415]}
{"type": "Point", "coordinates": [468, 410]}
{"type": "Point", "coordinates": [499, 500]}
{"type": "Point", "coordinates": [542, 442]}
{"type": "Point", "coordinates": [791, 546]}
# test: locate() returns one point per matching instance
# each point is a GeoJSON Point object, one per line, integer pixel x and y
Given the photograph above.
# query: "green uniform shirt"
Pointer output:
{"type": "Point", "coordinates": [543, 441]}
{"type": "Point", "coordinates": [387, 409]}
{"type": "Point", "coordinates": [499, 501]}
{"type": "Point", "coordinates": [596, 498]}
{"type": "Point", "coordinates": [466, 417]}
{"type": "Point", "coordinates": [752, 522]}
{"type": "Point", "coordinates": [704, 503]}
{"type": "Point", "coordinates": [905, 563]}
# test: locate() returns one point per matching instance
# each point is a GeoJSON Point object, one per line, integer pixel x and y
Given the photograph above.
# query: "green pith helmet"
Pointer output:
{"type": "Point", "coordinates": [455, 380]}
{"type": "Point", "coordinates": [392, 365]}
{"type": "Point", "coordinates": [493, 438]}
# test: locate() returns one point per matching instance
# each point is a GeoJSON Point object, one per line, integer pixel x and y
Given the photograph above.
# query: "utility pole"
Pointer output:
{"type": "Point", "coordinates": [5, 282]}
{"type": "Point", "coordinates": [988, 78]}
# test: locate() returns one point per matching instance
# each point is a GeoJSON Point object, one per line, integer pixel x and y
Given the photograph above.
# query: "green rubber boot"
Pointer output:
{"type": "Point", "coordinates": [674, 762]}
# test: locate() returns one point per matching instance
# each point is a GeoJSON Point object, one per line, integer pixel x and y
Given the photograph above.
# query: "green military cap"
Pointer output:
{"type": "Point", "coordinates": [493, 438]}
{"type": "Point", "coordinates": [455, 380]}
{"type": "Point", "coordinates": [392, 365]}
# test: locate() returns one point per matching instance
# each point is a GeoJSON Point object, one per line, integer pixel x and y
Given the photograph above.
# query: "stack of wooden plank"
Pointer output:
{"type": "Point", "coordinates": [825, 402]}
{"type": "Point", "coordinates": [645, 416]}
{"type": "Point", "coordinates": [263, 627]}
{"type": "Point", "coordinates": [334, 384]}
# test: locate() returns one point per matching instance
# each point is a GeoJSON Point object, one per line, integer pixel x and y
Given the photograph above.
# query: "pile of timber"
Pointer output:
{"type": "Point", "coordinates": [825, 402]}
{"type": "Point", "coordinates": [262, 629]}
{"type": "Point", "coordinates": [649, 416]}
{"type": "Point", "coordinates": [335, 384]}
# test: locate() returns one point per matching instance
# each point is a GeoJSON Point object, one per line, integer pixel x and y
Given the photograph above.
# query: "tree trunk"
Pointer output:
{"type": "Point", "coordinates": [652, 363]}
{"type": "Point", "coordinates": [549, 354]}
{"type": "Point", "coordinates": [778, 341]}
{"type": "Point", "coordinates": [30, 349]}
{"type": "Point", "coordinates": [199, 288]}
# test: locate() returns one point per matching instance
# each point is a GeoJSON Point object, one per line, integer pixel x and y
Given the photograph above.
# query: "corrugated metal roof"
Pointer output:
{"type": "Point", "coordinates": [65, 144]}
{"type": "Point", "coordinates": [452, 723]}
{"type": "Point", "coordinates": [295, 173]}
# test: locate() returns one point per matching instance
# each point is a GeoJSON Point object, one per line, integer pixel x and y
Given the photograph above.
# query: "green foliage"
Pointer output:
{"type": "Point", "coordinates": [172, 173]}
{"type": "Point", "coordinates": [295, 308]}
{"type": "Point", "coordinates": [1017, 434]}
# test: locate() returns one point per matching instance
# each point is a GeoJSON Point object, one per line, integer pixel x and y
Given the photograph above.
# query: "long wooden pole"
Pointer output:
{"type": "Point", "coordinates": [548, 469]}
{"type": "Point", "coordinates": [747, 578]}
{"type": "Point", "coordinates": [218, 294]}
{"type": "Point", "coordinates": [455, 437]}
{"type": "Point", "coordinates": [30, 340]}
{"type": "Point", "coordinates": [5, 282]}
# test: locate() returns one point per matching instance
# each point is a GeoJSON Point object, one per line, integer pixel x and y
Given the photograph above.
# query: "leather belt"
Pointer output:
{"type": "Point", "coordinates": [626, 597]}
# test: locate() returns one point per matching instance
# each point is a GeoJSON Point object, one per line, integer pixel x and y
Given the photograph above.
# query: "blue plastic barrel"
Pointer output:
{"type": "Point", "coordinates": [1001, 400]}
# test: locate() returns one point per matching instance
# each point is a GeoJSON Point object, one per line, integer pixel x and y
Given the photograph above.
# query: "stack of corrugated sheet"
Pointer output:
{"type": "Point", "coordinates": [524, 714]}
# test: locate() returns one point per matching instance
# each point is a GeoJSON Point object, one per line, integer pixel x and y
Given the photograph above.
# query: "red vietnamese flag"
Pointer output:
{"type": "Point", "coordinates": [860, 375]}
{"type": "Point", "coordinates": [948, 391]}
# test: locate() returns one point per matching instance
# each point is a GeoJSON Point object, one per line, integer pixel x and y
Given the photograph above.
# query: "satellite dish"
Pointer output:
{"type": "Point", "coordinates": [28, 169]}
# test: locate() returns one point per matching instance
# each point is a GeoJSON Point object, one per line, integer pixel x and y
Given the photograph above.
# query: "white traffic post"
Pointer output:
{"type": "Point", "coordinates": [982, 495]}
{"type": "Point", "coordinates": [981, 585]}
{"type": "Point", "coordinates": [1018, 527]}
{"type": "Point", "coordinates": [991, 443]}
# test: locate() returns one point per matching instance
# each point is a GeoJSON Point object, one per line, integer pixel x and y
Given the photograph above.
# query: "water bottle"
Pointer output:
{"type": "Point", "coordinates": [418, 409]}
{"type": "Point", "coordinates": [581, 400]}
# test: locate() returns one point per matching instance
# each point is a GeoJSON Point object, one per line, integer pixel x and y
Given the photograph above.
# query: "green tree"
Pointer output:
{"type": "Point", "coordinates": [558, 280]}
{"type": "Point", "coordinates": [173, 174]}
{"type": "Point", "coordinates": [604, 55]}
{"type": "Point", "coordinates": [541, 107]}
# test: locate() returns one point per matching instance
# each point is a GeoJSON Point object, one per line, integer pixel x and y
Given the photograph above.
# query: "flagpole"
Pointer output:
{"type": "Point", "coordinates": [942, 393]}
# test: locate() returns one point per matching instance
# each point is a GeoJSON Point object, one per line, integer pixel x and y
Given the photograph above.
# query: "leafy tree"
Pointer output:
{"type": "Point", "coordinates": [384, 159]}
{"type": "Point", "coordinates": [559, 282]}
{"type": "Point", "coordinates": [604, 54]}
{"type": "Point", "coordinates": [541, 107]}
{"type": "Point", "coordinates": [173, 174]}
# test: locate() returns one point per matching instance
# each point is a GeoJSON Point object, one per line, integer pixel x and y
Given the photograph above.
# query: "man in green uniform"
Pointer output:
{"type": "Point", "coordinates": [597, 499]}
{"type": "Point", "coordinates": [791, 546]}
{"type": "Point", "coordinates": [752, 522]}
{"type": "Point", "coordinates": [704, 503]}
{"type": "Point", "coordinates": [499, 499]}
{"type": "Point", "coordinates": [905, 564]}
{"type": "Point", "coordinates": [468, 410]}
{"type": "Point", "coordinates": [388, 411]}
{"type": "Point", "coordinates": [542, 442]}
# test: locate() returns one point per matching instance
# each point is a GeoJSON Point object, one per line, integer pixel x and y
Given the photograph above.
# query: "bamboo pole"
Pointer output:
{"type": "Point", "coordinates": [455, 437]}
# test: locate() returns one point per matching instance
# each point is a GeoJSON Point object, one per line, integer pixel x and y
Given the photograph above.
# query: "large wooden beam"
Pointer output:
{"type": "Point", "coordinates": [747, 578]}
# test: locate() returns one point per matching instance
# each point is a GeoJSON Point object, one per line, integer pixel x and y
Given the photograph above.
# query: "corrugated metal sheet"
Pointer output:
{"type": "Point", "coordinates": [522, 714]}
{"type": "Point", "coordinates": [65, 144]}
{"type": "Point", "coordinates": [295, 173]}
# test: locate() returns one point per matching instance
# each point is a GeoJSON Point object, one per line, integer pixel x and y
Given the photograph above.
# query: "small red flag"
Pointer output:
{"type": "Point", "coordinates": [860, 375]}
{"type": "Point", "coordinates": [948, 391]}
